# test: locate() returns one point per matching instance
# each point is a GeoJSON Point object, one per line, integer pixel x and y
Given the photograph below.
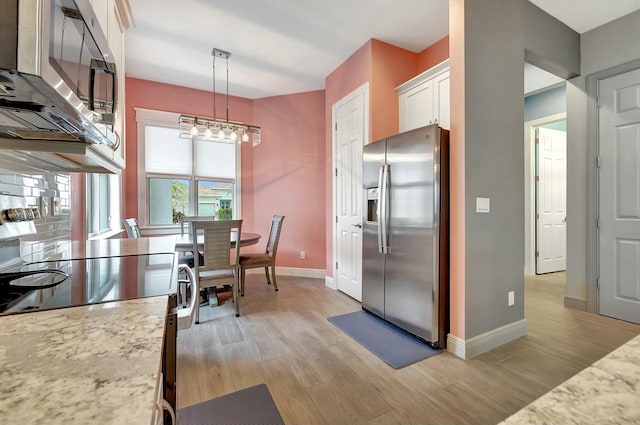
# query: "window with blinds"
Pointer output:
{"type": "Point", "coordinates": [187, 176]}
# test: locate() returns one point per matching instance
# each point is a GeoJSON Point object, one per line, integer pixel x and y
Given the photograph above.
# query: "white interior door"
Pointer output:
{"type": "Point", "coordinates": [619, 193]}
{"type": "Point", "coordinates": [551, 201]}
{"type": "Point", "coordinates": [349, 127]}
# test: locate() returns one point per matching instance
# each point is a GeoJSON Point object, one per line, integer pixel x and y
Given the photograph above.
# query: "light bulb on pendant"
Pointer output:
{"type": "Point", "coordinates": [245, 137]}
{"type": "Point", "coordinates": [234, 136]}
{"type": "Point", "coordinates": [194, 130]}
{"type": "Point", "coordinates": [207, 132]}
{"type": "Point", "coordinates": [221, 134]}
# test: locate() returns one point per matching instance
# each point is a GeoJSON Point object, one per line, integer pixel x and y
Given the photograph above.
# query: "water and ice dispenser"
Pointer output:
{"type": "Point", "coordinates": [372, 204]}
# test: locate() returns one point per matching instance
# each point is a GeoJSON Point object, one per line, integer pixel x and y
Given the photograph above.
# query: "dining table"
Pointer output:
{"type": "Point", "coordinates": [184, 243]}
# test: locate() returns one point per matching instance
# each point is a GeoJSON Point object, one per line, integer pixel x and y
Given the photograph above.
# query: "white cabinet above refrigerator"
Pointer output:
{"type": "Point", "coordinates": [424, 99]}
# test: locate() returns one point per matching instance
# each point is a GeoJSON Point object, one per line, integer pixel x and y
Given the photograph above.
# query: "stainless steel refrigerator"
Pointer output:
{"type": "Point", "coordinates": [405, 232]}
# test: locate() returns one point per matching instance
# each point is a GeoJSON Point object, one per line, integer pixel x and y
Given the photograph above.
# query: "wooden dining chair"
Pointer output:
{"type": "Point", "coordinates": [266, 259]}
{"type": "Point", "coordinates": [185, 228]}
{"type": "Point", "coordinates": [218, 268]}
{"type": "Point", "coordinates": [132, 228]}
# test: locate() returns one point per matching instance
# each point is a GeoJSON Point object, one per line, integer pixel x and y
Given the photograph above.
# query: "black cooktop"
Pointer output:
{"type": "Point", "coordinates": [65, 283]}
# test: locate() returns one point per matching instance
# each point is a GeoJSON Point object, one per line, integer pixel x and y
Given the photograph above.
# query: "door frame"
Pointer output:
{"type": "Point", "coordinates": [593, 177]}
{"type": "Point", "coordinates": [362, 90]}
{"type": "Point", "coordinates": [530, 189]}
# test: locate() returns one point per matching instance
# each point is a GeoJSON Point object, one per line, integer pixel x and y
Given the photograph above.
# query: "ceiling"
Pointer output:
{"type": "Point", "coordinates": [290, 46]}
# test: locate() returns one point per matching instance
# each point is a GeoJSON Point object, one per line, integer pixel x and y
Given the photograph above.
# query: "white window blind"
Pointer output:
{"type": "Point", "coordinates": [215, 159]}
{"type": "Point", "coordinates": [166, 152]}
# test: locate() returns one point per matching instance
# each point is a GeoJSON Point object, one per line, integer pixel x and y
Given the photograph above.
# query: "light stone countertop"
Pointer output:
{"type": "Point", "coordinates": [94, 364]}
{"type": "Point", "coordinates": [607, 392]}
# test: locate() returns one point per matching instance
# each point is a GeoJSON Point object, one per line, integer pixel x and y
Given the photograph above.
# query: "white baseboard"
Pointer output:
{"type": "Point", "coordinates": [575, 303]}
{"type": "Point", "coordinates": [466, 349]}
{"type": "Point", "coordinates": [330, 283]}
{"type": "Point", "coordinates": [293, 271]}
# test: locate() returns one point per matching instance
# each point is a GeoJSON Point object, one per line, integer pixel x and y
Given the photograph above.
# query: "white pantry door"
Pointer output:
{"type": "Point", "coordinates": [619, 191]}
{"type": "Point", "coordinates": [349, 137]}
{"type": "Point", "coordinates": [551, 211]}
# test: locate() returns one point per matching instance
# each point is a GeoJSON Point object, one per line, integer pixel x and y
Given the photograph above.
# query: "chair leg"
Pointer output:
{"type": "Point", "coordinates": [197, 306]}
{"type": "Point", "coordinates": [266, 273]}
{"type": "Point", "coordinates": [273, 276]}
{"type": "Point", "coordinates": [235, 295]}
{"type": "Point", "coordinates": [242, 273]}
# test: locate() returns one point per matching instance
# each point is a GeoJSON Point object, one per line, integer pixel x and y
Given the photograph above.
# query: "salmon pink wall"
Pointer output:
{"type": "Point", "coordinates": [284, 175]}
{"type": "Point", "coordinates": [350, 75]}
{"type": "Point", "coordinates": [433, 55]}
{"type": "Point", "coordinates": [457, 275]}
{"type": "Point", "coordinates": [289, 175]}
{"type": "Point", "coordinates": [390, 67]}
{"type": "Point", "coordinates": [170, 98]}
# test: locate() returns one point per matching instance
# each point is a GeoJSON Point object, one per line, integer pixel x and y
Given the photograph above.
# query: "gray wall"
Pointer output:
{"type": "Point", "coordinates": [497, 33]}
{"type": "Point", "coordinates": [548, 43]}
{"type": "Point", "coordinates": [494, 113]}
{"type": "Point", "coordinates": [545, 104]}
{"type": "Point", "coordinates": [602, 49]}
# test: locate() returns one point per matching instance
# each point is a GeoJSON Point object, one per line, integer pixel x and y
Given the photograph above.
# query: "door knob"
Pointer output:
{"type": "Point", "coordinates": [359, 226]}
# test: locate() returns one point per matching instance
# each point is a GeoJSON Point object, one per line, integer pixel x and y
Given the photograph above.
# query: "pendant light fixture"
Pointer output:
{"type": "Point", "coordinates": [218, 129]}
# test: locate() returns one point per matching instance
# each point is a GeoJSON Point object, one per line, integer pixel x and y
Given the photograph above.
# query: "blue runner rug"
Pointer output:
{"type": "Point", "coordinates": [391, 344]}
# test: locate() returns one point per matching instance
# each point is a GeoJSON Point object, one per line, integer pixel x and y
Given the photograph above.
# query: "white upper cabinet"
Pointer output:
{"type": "Point", "coordinates": [116, 37]}
{"type": "Point", "coordinates": [424, 99]}
{"type": "Point", "coordinates": [110, 18]}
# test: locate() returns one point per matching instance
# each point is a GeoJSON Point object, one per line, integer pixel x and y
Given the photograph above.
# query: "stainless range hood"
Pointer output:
{"type": "Point", "coordinates": [57, 87]}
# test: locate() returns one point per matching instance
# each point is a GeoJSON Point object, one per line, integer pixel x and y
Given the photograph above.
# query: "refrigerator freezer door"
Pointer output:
{"type": "Point", "coordinates": [411, 267]}
{"type": "Point", "coordinates": [374, 155]}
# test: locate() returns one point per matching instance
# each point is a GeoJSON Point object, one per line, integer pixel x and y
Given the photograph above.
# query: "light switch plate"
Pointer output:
{"type": "Point", "coordinates": [483, 205]}
{"type": "Point", "coordinates": [55, 206]}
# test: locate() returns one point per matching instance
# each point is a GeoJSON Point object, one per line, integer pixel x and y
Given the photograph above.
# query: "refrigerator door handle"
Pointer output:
{"type": "Point", "coordinates": [379, 208]}
{"type": "Point", "coordinates": [384, 196]}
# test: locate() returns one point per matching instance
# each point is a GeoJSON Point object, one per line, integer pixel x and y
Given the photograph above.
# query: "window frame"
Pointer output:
{"type": "Point", "coordinates": [92, 203]}
{"type": "Point", "coordinates": [146, 117]}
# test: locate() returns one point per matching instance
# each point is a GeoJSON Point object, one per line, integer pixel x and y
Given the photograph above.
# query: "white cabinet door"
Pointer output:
{"type": "Point", "coordinates": [101, 9]}
{"type": "Point", "coordinates": [416, 106]}
{"type": "Point", "coordinates": [441, 95]}
{"type": "Point", "coordinates": [424, 99]}
{"type": "Point", "coordinates": [116, 44]}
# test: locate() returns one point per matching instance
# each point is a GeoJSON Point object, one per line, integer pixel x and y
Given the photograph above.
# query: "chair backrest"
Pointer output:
{"type": "Point", "coordinates": [216, 244]}
{"type": "Point", "coordinates": [186, 220]}
{"type": "Point", "coordinates": [274, 235]}
{"type": "Point", "coordinates": [132, 228]}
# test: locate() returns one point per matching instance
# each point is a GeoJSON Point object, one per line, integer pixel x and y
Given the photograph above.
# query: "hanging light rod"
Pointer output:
{"type": "Point", "coordinates": [217, 129]}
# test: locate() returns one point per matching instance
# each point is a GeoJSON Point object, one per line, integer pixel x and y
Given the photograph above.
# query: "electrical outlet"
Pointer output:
{"type": "Point", "coordinates": [45, 206]}
{"type": "Point", "coordinates": [302, 255]}
{"type": "Point", "coordinates": [511, 298]}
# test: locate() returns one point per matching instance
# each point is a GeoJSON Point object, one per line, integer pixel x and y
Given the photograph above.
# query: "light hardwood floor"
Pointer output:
{"type": "Point", "coordinates": [318, 375]}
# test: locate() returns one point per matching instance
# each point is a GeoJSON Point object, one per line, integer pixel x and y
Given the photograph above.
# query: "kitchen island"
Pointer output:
{"type": "Point", "coordinates": [607, 392]}
{"type": "Point", "coordinates": [98, 248]}
{"type": "Point", "coordinates": [93, 364]}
